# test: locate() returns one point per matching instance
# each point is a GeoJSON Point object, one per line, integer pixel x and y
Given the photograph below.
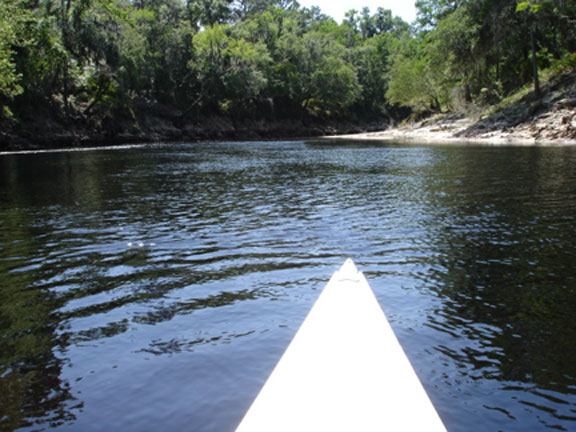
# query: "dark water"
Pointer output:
{"type": "Point", "coordinates": [155, 288]}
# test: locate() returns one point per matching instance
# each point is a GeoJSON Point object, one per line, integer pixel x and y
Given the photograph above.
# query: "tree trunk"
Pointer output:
{"type": "Point", "coordinates": [534, 63]}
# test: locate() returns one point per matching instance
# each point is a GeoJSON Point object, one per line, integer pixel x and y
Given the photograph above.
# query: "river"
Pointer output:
{"type": "Point", "coordinates": [155, 288]}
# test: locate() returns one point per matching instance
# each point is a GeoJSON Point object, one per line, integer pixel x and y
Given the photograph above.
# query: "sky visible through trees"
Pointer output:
{"type": "Point", "coordinates": [337, 9]}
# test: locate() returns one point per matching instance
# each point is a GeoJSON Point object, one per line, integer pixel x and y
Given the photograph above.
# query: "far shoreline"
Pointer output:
{"type": "Point", "coordinates": [549, 123]}
{"type": "Point", "coordinates": [403, 137]}
{"type": "Point", "coordinates": [555, 126]}
{"type": "Point", "coordinates": [408, 136]}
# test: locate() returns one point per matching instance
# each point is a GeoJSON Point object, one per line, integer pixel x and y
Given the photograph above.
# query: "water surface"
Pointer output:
{"type": "Point", "coordinates": [155, 288]}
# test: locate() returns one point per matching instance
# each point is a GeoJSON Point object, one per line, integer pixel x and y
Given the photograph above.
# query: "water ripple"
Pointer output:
{"type": "Point", "coordinates": [186, 269]}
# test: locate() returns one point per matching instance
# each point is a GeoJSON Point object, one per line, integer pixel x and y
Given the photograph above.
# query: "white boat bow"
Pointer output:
{"type": "Point", "coordinates": [343, 371]}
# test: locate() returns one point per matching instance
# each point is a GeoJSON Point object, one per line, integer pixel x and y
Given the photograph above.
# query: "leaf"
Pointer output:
{"type": "Point", "coordinates": [522, 6]}
{"type": "Point", "coordinates": [536, 8]}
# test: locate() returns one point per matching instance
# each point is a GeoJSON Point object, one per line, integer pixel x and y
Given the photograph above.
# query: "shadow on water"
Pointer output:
{"type": "Point", "coordinates": [32, 192]}
{"type": "Point", "coordinates": [187, 269]}
{"type": "Point", "coordinates": [31, 390]}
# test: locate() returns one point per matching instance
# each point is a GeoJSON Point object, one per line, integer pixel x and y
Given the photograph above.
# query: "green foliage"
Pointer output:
{"type": "Point", "coordinates": [136, 67]}
{"type": "Point", "coordinates": [334, 86]}
{"type": "Point", "coordinates": [14, 34]}
{"type": "Point", "coordinates": [96, 58]}
{"type": "Point", "coordinates": [414, 82]}
{"type": "Point", "coordinates": [566, 64]}
{"type": "Point", "coordinates": [312, 72]}
{"type": "Point", "coordinates": [372, 61]}
{"type": "Point", "coordinates": [484, 48]}
{"type": "Point", "coordinates": [229, 67]}
{"type": "Point", "coordinates": [453, 54]}
{"type": "Point", "coordinates": [431, 12]}
{"type": "Point", "coordinates": [43, 62]}
{"type": "Point", "coordinates": [106, 95]}
{"type": "Point", "coordinates": [532, 5]}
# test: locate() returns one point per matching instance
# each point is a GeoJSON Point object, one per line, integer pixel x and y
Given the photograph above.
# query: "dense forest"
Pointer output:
{"type": "Point", "coordinates": [92, 61]}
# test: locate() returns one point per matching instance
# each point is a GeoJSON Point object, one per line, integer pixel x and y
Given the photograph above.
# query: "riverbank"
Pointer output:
{"type": "Point", "coordinates": [559, 130]}
{"type": "Point", "coordinates": [552, 128]}
{"type": "Point", "coordinates": [523, 120]}
{"type": "Point", "coordinates": [42, 129]}
{"type": "Point", "coordinates": [520, 119]}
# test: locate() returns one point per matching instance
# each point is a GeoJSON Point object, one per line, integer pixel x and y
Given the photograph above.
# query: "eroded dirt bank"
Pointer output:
{"type": "Point", "coordinates": [41, 129]}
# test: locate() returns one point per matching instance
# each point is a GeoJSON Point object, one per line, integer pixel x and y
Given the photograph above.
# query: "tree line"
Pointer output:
{"type": "Point", "coordinates": [481, 50]}
{"type": "Point", "coordinates": [98, 58]}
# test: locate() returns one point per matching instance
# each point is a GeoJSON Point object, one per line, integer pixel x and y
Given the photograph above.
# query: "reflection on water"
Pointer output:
{"type": "Point", "coordinates": [507, 285]}
{"type": "Point", "coordinates": [157, 287]}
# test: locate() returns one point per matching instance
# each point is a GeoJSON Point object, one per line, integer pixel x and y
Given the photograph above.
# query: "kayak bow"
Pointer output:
{"type": "Point", "coordinates": [343, 371]}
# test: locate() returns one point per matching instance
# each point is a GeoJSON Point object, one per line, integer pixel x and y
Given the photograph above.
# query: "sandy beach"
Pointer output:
{"type": "Point", "coordinates": [557, 127]}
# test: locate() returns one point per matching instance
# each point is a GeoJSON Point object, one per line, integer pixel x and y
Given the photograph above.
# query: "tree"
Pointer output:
{"type": "Point", "coordinates": [414, 80]}
{"type": "Point", "coordinates": [166, 35]}
{"type": "Point", "coordinates": [454, 50]}
{"type": "Point", "coordinates": [540, 15]}
{"type": "Point", "coordinates": [532, 7]}
{"type": "Point", "coordinates": [210, 12]}
{"type": "Point", "coordinates": [430, 12]}
{"type": "Point", "coordinates": [372, 62]}
{"type": "Point", "coordinates": [229, 69]}
{"type": "Point", "coordinates": [15, 31]}
{"type": "Point", "coordinates": [367, 24]}
{"type": "Point", "coordinates": [314, 74]}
